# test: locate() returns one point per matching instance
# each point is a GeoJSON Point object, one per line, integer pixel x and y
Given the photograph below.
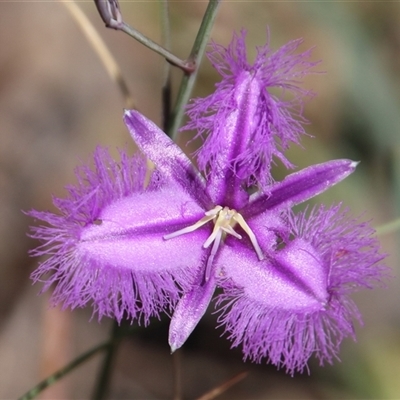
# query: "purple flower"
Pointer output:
{"type": "Point", "coordinates": [135, 244]}
{"type": "Point", "coordinates": [132, 251]}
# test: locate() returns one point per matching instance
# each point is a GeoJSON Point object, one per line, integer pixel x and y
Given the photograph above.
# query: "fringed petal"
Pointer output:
{"type": "Point", "coordinates": [283, 337]}
{"type": "Point", "coordinates": [243, 105]}
{"type": "Point", "coordinates": [347, 244]}
{"type": "Point", "coordinates": [129, 234]}
{"type": "Point", "coordinates": [107, 247]}
{"type": "Point", "coordinates": [298, 305]}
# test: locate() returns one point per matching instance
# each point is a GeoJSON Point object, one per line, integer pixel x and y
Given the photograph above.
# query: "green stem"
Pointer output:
{"type": "Point", "coordinates": [64, 371]}
{"type": "Point", "coordinates": [166, 88]}
{"type": "Point", "coordinates": [103, 379]}
{"type": "Point", "coordinates": [195, 57]}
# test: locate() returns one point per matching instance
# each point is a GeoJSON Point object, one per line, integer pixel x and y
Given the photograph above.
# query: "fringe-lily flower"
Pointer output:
{"type": "Point", "coordinates": [134, 250]}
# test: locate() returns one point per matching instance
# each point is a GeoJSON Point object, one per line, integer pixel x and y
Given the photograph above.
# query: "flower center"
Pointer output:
{"type": "Point", "coordinates": [224, 220]}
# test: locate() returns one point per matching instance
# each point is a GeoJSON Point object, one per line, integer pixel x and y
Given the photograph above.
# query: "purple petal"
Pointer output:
{"type": "Point", "coordinates": [284, 337]}
{"type": "Point", "coordinates": [300, 186]}
{"type": "Point", "coordinates": [246, 125]}
{"type": "Point", "coordinates": [167, 156]}
{"type": "Point", "coordinates": [294, 280]}
{"type": "Point", "coordinates": [331, 256]}
{"type": "Point", "coordinates": [131, 232]}
{"type": "Point", "coordinates": [188, 312]}
{"type": "Point", "coordinates": [269, 227]}
{"type": "Point", "coordinates": [231, 135]}
{"type": "Point", "coordinates": [273, 309]}
{"type": "Point", "coordinates": [105, 248]}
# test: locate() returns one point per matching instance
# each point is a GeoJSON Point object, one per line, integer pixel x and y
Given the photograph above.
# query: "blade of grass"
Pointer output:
{"type": "Point", "coordinates": [390, 227]}
{"type": "Point", "coordinates": [212, 394]}
{"type": "Point", "coordinates": [52, 379]}
{"type": "Point", "coordinates": [101, 50]}
{"type": "Point", "coordinates": [102, 385]}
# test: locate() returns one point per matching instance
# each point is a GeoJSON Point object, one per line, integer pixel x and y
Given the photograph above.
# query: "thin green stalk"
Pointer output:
{"type": "Point", "coordinates": [195, 57]}
{"type": "Point", "coordinates": [104, 377]}
{"type": "Point", "coordinates": [166, 42]}
{"type": "Point", "coordinates": [64, 371]}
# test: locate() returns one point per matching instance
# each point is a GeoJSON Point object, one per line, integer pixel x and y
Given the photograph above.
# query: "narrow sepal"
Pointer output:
{"type": "Point", "coordinates": [169, 159]}
{"type": "Point", "coordinates": [188, 312]}
{"type": "Point", "coordinates": [300, 186]}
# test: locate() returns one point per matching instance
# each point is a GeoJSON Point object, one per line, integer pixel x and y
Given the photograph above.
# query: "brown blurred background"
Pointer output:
{"type": "Point", "coordinates": [57, 103]}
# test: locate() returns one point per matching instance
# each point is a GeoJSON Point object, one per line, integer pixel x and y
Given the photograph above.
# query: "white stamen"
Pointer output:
{"type": "Point", "coordinates": [224, 221]}
{"type": "Point", "coordinates": [241, 221]}
{"type": "Point", "coordinates": [229, 229]}
{"type": "Point", "coordinates": [214, 211]}
{"type": "Point", "coordinates": [212, 237]}
{"type": "Point", "coordinates": [210, 260]}
{"type": "Point", "coordinates": [190, 228]}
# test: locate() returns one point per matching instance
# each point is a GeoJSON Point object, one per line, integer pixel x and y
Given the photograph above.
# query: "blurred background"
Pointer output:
{"type": "Point", "coordinates": [57, 103]}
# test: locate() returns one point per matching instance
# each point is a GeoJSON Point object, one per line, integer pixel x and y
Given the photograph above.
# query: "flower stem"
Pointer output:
{"type": "Point", "coordinates": [64, 371]}
{"type": "Point", "coordinates": [166, 88]}
{"type": "Point", "coordinates": [195, 57]}
{"type": "Point", "coordinates": [104, 377]}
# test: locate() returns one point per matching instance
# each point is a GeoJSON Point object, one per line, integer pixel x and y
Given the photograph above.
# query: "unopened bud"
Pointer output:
{"type": "Point", "coordinates": [109, 12]}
